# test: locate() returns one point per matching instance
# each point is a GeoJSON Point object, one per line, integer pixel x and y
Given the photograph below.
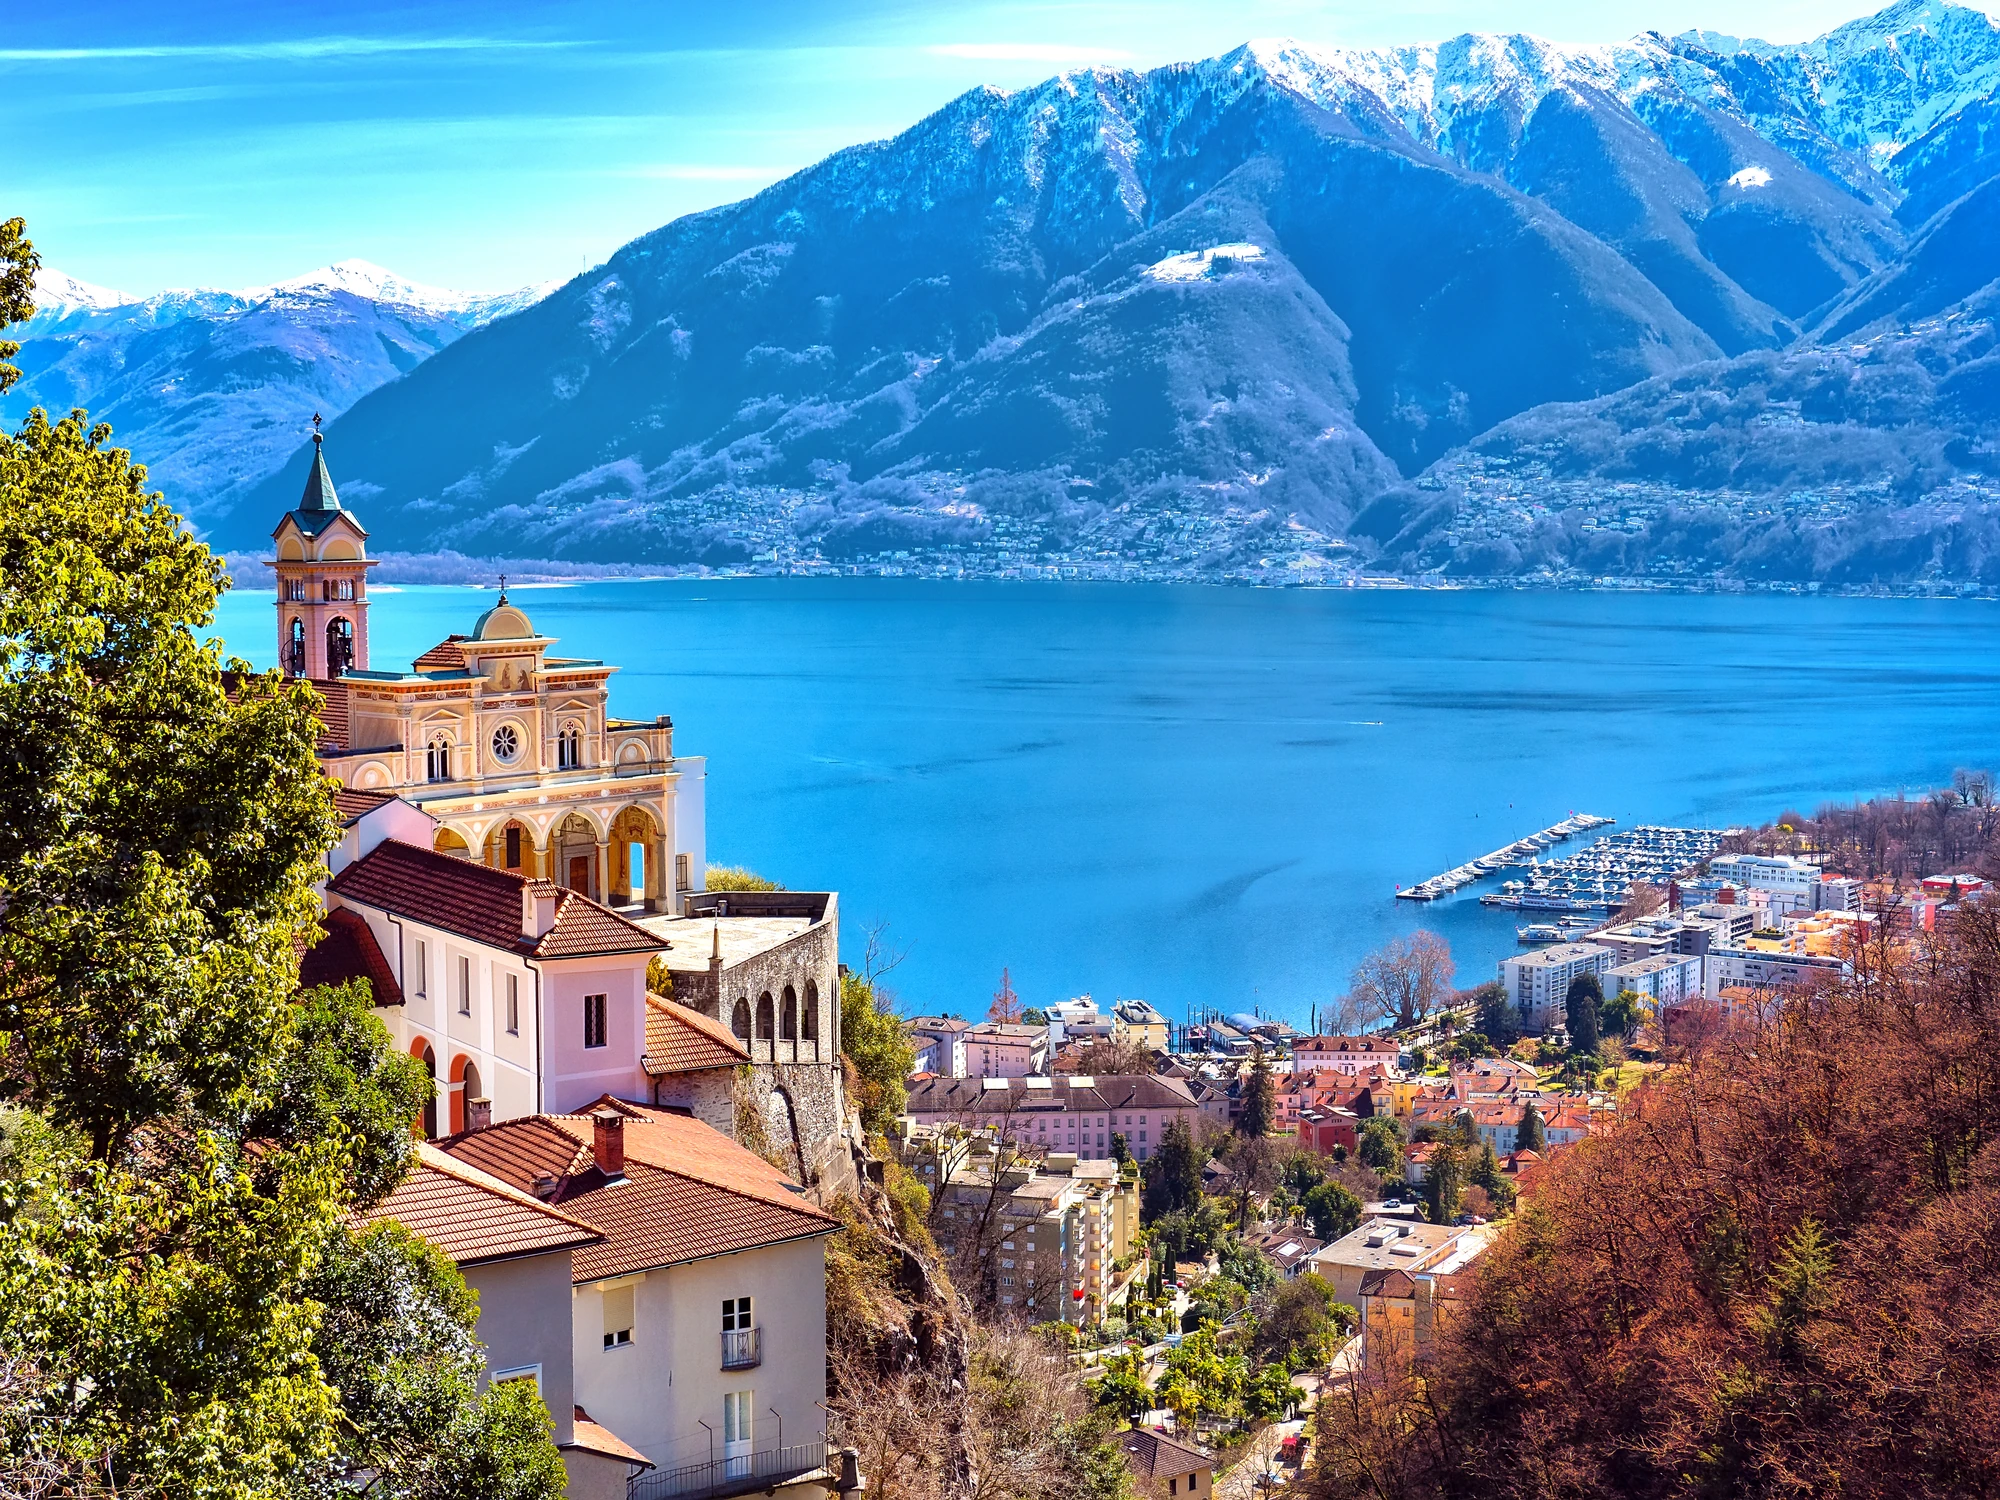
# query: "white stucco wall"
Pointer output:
{"type": "Point", "coordinates": [524, 1322]}
{"type": "Point", "coordinates": [656, 1391]}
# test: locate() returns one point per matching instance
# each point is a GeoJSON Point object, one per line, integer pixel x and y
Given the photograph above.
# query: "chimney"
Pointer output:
{"type": "Point", "coordinates": [478, 1114]}
{"type": "Point", "coordinates": [715, 954]}
{"type": "Point", "coordinates": [538, 908]}
{"type": "Point", "coordinates": [607, 1142]}
{"type": "Point", "coordinates": [544, 1185]}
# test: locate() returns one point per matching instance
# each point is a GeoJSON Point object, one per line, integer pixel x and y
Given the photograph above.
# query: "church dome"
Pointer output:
{"type": "Point", "coordinates": [503, 622]}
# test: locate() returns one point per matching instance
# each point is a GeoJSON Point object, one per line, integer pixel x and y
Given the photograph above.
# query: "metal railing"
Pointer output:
{"type": "Point", "coordinates": [729, 1476]}
{"type": "Point", "coordinates": [741, 1349]}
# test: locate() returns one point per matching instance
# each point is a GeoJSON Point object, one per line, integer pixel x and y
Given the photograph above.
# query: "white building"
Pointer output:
{"type": "Point", "coordinates": [1346, 1054]}
{"type": "Point", "coordinates": [1070, 1112]}
{"type": "Point", "coordinates": [1538, 983]}
{"type": "Point", "coordinates": [1664, 979]}
{"type": "Point", "coordinates": [1755, 969]}
{"type": "Point", "coordinates": [697, 1317]}
{"type": "Point", "coordinates": [1778, 873]}
{"type": "Point", "coordinates": [946, 1036]}
{"type": "Point", "coordinates": [997, 1050]}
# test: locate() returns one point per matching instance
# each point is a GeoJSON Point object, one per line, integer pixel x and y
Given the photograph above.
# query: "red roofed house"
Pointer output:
{"type": "Point", "coordinates": [1349, 1053]}
{"type": "Point", "coordinates": [696, 1311]}
{"type": "Point", "coordinates": [1163, 1469]}
{"type": "Point", "coordinates": [1321, 1128]}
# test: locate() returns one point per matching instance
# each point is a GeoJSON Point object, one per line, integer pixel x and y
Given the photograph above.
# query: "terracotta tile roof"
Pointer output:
{"type": "Point", "coordinates": [595, 1437]}
{"type": "Point", "coordinates": [1366, 1046]}
{"type": "Point", "coordinates": [689, 1192]}
{"type": "Point", "coordinates": [445, 656]}
{"type": "Point", "coordinates": [442, 890]}
{"type": "Point", "coordinates": [352, 806]}
{"type": "Point", "coordinates": [474, 1217]}
{"type": "Point", "coordinates": [1389, 1283]}
{"type": "Point", "coordinates": [1154, 1455]}
{"type": "Point", "coordinates": [333, 713]}
{"type": "Point", "coordinates": [681, 1040]}
{"type": "Point", "coordinates": [349, 951]}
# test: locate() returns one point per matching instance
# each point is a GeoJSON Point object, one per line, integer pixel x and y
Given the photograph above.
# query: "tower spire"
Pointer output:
{"type": "Point", "coordinates": [319, 495]}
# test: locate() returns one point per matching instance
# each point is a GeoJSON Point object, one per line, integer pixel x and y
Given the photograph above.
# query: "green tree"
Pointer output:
{"type": "Point", "coordinates": [1245, 1266]}
{"type": "Point", "coordinates": [1494, 1016]}
{"type": "Point", "coordinates": [1123, 1388]}
{"type": "Point", "coordinates": [1444, 1181]}
{"type": "Point", "coordinates": [1580, 1007]}
{"type": "Point", "coordinates": [737, 878]}
{"type": "Point", "coordinates": [1301, 1172]}
{"type": "Point", "coordinates": [1173, 1172]}
{"type": "Point", "coordinates": [397, 1343]}
{"type": "Point", "coordinates": [1485, 1173]}
{"type": "Point", "coordinates": [1530, 1136]}
{"type": "Point", "coordinates": [1301, 1323]}
{"type": "Point", "coordinates": [18, 264]}
{"type": "Point", "coordinates": [1120, 1151]}
{"type": "Point", "coordinates": [1381, 1145]}
{"type": "Point", "coordinates": [1260, 1099]}
{"type": "Point", "coordinates": [874, 1039]}
{"type": "Point", "coordinates": [1801, 1284]}
{"type": "Point", "coordinates": [1332, 1211]}
{"type": "Point", "coordinates": [1270, 1393]}
{"type": "Point", "coordinates": [1619, 1016]}
{"type": "Point", "coordinates": [1034, 1015]}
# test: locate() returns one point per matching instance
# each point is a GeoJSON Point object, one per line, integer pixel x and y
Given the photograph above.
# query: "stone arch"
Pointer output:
{"type": "Point", "coordinates": [337, 548]}
{"type": "Point", "coordinates": [764, 1017]}
{"type": "Point", "coordinates": [427, 1121]}
{"type": "Point", "coordinates": [575, 838]}
{"type": "Point", "coordinates": [290, 548]}
{"type": "Point", "coordinates": [788, 1016]}
{"type": "Point", "coordinates": [295, 649]}
{"type": "Point", "coordinates": [783, 1113]}
{"type": "Point", "coordinates": [339, 646]}
{"type": "Point", "coordinates": [511, 846]}
{"type": "Point", "coordinates": [739, 1019]}
{"type": "Point", "coordinates": [448, 841]}
{"type": "Point", "coordinates": [634, 826]}
{"type": "Point", "coordinates": [371, 776]}
{"type": "Point", "coordinates": [810, 1019]}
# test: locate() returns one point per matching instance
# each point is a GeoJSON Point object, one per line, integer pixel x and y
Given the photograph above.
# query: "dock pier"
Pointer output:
{"type": "Point", "coordinates": [1521, 851]}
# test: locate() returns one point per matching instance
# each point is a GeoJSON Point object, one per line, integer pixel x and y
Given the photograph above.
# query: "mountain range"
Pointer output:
{"type": "Point", "coordinates": [1684, 306]}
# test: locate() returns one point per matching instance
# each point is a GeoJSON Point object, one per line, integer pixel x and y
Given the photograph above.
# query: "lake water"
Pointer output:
{"type": "Point", "coordinates": [1207, 797]}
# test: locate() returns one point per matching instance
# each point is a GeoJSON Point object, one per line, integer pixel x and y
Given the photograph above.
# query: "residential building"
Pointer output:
{"type": "Point", "coordinates": [1646, 938]}
{"type": "Point", "coordinates": [516, 1253]}
{"type": "Point", "coordinates": [1780, 874]}
{"type": "Point", "coordinates": [947, 1035]}
{"type": "Point", "coordinates": [517, 994]}
{"type": "Point", "coordinates": [1383, 1245]}
{"type": "Point", "coordinates": [1715, 924]}
{"type": "Point", "coordinates": [697, 1318]}
{"type": "Point", "coordinates": [1078, 1020]}
{"type": "Point", "coordinates": [1163, 1468]}
{"type": "Point", "coordinates": [1137, 1022]}
{"type": "Point", "coordinates": [1756, 969]}
{"type": "Point", "coordinates": [1288, 1247]}
{"type": "Point", "coordinates": [995, 1049]}
{"type": "Point", "coordinates": [932, 1153]}
{"type": "Point", "coordinates": [1346, 1053]}
{"type": "Point", "coordinates": [1538, 983]}
{"type": "Point", "coordinates": [1402, 1310]}
{"type": "Point", "coordinates": [1663, 980]}
{"type": "Point", "coordinates": [1037, 1240]}
{"type": "Point", "coordinates": [510, 749]}
{"type": "Point", "coordinates": [1842, 893]}
{"type": "Point", "coordinates": [1074, 1112]}
{"type": "Point", "coordinates": [1940, 887]}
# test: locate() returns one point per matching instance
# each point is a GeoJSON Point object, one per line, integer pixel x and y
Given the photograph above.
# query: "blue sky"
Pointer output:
{"type": "Point", "coordinates": [485, 146]}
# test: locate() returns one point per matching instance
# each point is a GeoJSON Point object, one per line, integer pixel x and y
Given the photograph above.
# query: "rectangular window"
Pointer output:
{"type": "Point", "coordinates": [593, 1020]}
{"type": "Point", "coordinates": [618, 1317]}
{"type": "Point", "coordinates": [683, 872]}
{"type": "Point", "coordinates": [736, 1415]}
{"type": "Point", "coordinates": [736, 1314]}
{"type": "Point", "coordinates": [514, 1004]}
{"type": "Point", "coordinates": [417, 966]}
{"type": "Point", "coordinates": [532, 1374]}
{"type": "Point", "coordinates": [513, 848]}
{"type": "Point", "coordinates": [465, 986]}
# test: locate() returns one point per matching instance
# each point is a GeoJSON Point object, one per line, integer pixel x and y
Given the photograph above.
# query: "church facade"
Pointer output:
{"type": "Point", "coordinates": [511, 749]}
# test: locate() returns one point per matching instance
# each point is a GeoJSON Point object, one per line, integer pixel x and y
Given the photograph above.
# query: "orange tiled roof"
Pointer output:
{"type": "Point", "coordinates": [682, 1040]}
{"type": "Point", "coordinates": [442, 890]}
{"type": "Point", "coordinates": [352, 806]}
{"type": "Point", "coordinates": [445, 656]}
{"type": "Point", "coordinates": [474, 1217]}
{"type": "Point", "coordinates": [1393, 1282]}
{"type": "Point", "coordinates": [595, 1437]}
{"type": "Point", "coordinates": [689, 1191]}
{"type": "Point", "coordinates": [349, 951]}
{"type": "Point", "coordinates": [333, 712]}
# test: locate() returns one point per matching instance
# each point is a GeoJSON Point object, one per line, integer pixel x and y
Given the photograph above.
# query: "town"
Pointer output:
{"type": "Point", "coordinates": [660, 1101]}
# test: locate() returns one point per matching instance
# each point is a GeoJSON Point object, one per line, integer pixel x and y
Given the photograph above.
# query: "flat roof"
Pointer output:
{"type": "Point", "coordinates": [690, 940]}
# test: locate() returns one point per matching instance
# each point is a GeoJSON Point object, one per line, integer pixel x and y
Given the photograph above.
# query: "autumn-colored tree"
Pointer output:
{"type": "Point", "coordinates": [1006, 1006]}
{"type": "Point", "coordinates": [1771, 1277]}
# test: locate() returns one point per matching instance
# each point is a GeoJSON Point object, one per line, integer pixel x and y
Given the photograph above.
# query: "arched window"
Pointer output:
{"type": "Point", "coordinates": [295, 649]}
{"type": "Point", "coordinates": [812, 1012]}
{"type": "Point", "coordinates": [437, 759]}
{"type": "Point", "coordinates": [789, 1017]}
{"type": "Point", "coordinates": [569, 747]}
{"type": "Point", "coordinates": [429, 1059]}
{"type": "Point", "coordinates": [339, 646]}
{"type": "Point", "coordinates": [739, 1020]}
{"type": "Point", "coordinates": [764, 1017]}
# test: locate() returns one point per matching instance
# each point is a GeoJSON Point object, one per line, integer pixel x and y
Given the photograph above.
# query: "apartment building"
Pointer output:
{"type": "Point", "coordinates": [1038, 1241]}
{"type": "Point", "coordinates": [1074, 1112]}
{"type": "Point", "coordinates": [1761, 970]}
{"type": "Point", "coordinates": [946, 1036]}
{"type": "Point", "coordinates": [1346, 1053]}
{"type": "Point", "coordinates": [1538, 983]}
{"type": "Point", "coordinates": [1780, 873]}
{"type": "Point", "coordinates": [1662, 980]}
{"type": "Point", "coordinates": [995, 1049]}
{"type": "Point", "coordinates": [1383, 1245]}
{"type": "Point", "coordinates": [1140, 1024]}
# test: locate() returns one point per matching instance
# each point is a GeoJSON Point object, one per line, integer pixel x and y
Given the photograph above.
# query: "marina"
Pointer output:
{"type": "Point", "coordinates": [1600, 878]}
{"type": "Point", "coordinates": [1521, 852]}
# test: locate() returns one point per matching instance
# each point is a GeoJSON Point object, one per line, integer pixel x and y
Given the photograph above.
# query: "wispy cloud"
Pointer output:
{"type": "Point", "coordinates": [300, 49]}
{"type": "Point", "coordinates": [1056, 53]}
{"type": "Point", "coordinates": [704, 172]}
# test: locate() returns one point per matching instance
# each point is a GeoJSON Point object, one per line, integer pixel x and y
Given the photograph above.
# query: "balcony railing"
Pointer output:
{"type": "Point", "coordinates": [741, 1350]}
{"type": "Point", "coordinates": [730, 1476]}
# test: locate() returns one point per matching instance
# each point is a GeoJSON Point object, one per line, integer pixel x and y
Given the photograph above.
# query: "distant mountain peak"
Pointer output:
{"type": "Point", "coordinates": [58, 295]}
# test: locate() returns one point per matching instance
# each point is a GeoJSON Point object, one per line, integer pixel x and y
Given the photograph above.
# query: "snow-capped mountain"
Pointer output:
{"type": "Point", "coordinates": [1169, 315]}
{"type": "Point", "coordinates": [213, 387]}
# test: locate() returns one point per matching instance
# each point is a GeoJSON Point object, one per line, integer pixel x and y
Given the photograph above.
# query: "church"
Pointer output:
{"type": "Point", "coordinates": [511, 749]}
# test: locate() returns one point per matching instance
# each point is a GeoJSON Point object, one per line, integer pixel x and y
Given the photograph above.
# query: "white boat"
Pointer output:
{"type": "Point", "coordinates": [1539, 932]}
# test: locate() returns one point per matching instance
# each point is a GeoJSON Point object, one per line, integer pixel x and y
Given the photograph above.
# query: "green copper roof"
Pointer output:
{"type": "Point", "coordinates": [319, 495]}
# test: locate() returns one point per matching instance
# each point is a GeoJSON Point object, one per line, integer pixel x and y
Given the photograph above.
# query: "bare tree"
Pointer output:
{"type": "Point", "coordinates": [1006, 1006]}
{"type": "Point", "coordinates": [1406, 979]}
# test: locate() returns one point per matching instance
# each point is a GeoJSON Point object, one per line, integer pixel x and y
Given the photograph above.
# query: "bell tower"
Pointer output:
{"type": "Point", "coordinates": [322, 566]}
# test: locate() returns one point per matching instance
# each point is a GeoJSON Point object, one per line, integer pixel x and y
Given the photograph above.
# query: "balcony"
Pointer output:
{"type": "Point", "coordinates": [732, 1476]}
{"type": "Point", "coordinates": [741, 1349]}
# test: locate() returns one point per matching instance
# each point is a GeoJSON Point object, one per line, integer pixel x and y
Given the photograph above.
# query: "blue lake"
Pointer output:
{"type": "Point", "coordinates": [1207, 797]}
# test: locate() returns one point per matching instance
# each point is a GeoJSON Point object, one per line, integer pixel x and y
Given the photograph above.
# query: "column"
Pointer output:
{"type": "Point", "coordinates": [603, 876]}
